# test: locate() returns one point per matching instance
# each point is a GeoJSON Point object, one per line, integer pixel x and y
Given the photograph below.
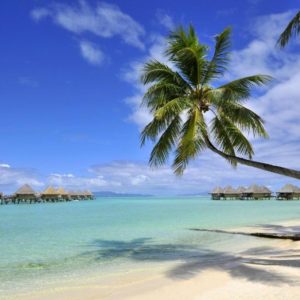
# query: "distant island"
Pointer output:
{"type": "Point", "coordinates": [114, 194]}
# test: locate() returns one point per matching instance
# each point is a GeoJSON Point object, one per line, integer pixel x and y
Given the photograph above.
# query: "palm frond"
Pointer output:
{"type": "Point", "coordinates": [155, 71]}
{"type": "Point", "coordinates": [244, 118]}
{"type": "Point", "coordinates": [163, 147]}
{"type": "Point", "coordinates": [239, 142]}
{"type": "Point", "coordinates": [222, 137]}
{"type": "Point", "coordinates": [240, 89]}
{"type": "Point", "coordinates": [173, 107]}
{"type": "Point", "coordinates": [191, 141]}
{"type": "Point", "coordinates": [165, 88]}
{"type": "Point", "coordinates": [218, 64]}
{"type": "Point", "coordinates": [293, 28]}
{"type": "Point", "coordinates": [153, 129]}
{"type": "Point", "coordinates": [161, 93]}
{"type": "Point", "coordinates": [185, 51]}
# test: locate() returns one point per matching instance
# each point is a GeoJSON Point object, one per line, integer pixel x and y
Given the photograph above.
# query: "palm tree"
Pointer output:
{"type": "Point", "coordinates": [293, 28]}
{"type": "Point", "coordinates": [190, 114]}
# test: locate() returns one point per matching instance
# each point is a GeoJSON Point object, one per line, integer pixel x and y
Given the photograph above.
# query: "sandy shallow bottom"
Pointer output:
{"type": "Point", "coordinates": [252, 273]}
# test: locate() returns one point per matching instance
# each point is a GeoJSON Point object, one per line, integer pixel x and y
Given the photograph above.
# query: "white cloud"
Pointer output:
{"type": "Point", "coordinates": [6, 166]}
{"type": "Point", "coordinates": [91, 53]}
{"type": "Point", "coordinates": [104, 20]}
{"type": "Point", "coordinates": [11, 178]}
{"type": "Point", "coordinates": [261, 54]}
{"type": "Point", "coordinates": [57, 175]}
{"type": "Point", "coordinates": [40, 13]}
{"type": "Point", "coordinates": [135, 177]}
{"type": "Point", "coordinates": [201, 176]}
{"type": "Point", "coordinates": [138, 180]}
{"type": "Point", "coordinates": [165, 20]}
{"type": "Point", "coordinates": [140, 115]}
{"type": "Point", "coordinates": [132, 177]}
{"type": "Point", "coordinates": [71, 181]}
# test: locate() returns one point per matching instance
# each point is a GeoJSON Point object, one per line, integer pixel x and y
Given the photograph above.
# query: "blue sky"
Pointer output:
{"type": "Point", "coordinates": [70, 93]}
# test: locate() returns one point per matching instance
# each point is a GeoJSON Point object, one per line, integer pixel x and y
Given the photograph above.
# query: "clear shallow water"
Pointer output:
{"type": "Point", "coordinates": [61, 241]}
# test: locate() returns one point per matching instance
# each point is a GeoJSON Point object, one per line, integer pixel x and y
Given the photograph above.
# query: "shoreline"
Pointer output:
{"type": "Point", "coordinates": [255, 272]}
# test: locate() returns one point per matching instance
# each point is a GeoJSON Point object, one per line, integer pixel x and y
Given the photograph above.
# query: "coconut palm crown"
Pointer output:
{"type": "Point", "coordinates": [191, 114]}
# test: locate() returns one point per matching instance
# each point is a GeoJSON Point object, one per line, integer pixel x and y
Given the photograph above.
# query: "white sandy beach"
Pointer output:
{"type": "Point", "coordinates": [256, 273]}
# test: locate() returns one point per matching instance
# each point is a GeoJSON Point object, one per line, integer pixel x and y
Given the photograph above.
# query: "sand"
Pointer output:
{"type": "Point", "coordinates": [256, 273]}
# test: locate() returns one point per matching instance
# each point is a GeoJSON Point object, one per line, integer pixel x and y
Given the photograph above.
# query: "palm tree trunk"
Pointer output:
{"type": "Point", "coordinates": [255, 164]}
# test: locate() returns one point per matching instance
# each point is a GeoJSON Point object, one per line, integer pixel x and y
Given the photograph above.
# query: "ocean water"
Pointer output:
{"type": "Point", "coordinates": [42, 244]}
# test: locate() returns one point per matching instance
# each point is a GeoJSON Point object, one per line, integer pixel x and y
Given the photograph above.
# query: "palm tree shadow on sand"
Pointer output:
{"type": "Point", "coordinates": [250, 265]}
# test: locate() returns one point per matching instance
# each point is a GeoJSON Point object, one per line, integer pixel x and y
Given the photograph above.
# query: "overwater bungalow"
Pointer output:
{"type": "Point", "coordinates": [62, 194]}
{"type": "Point", "coordinates": [230, 193]}
{"type": "Point", "coordinates": [81, 195]}
{"type": "Point", "coordinates": [73, 195]}
{"type": "Point", "coordinates": [89, 195]}
{"type": "Point", "coordinates": [239, 192]}
{"type": "Point", "coordinates": [297, 193]}
{"type": "Point", "coordinates": [257, 192]}
{"type": "Point", "coordinates": [49, 194]}
{"type": "Point", "coordinates": [289, 192]}
{"type": "Point", "coordinates": [25, 194]}
{"type": "Point", "coordinates": [265, 192]}
{"type": "Point", "coordinates": [217, 193]}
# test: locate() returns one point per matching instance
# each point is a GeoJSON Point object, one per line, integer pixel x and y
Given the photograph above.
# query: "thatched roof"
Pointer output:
{"type": "Point", "coordinates": [217, 190]}
{"type": "Point", "coordinates": [240, 189]}
{"type": "Point", "coordinates": [76, 193]}
{"type": "Point", "coordinates": [61, 191]}
{"type": "Point", "coordinates": [25, 190]}
{"type": "Point", "coordinates": [264, 189]}
{"type": "Point", "coordinates": [256, 189]}
{"type": "Point", "coordinates": [72, 193]}
{"type": "Point", "coordinates": [88, 193]}
{"type": "Point", "coordinates": [229, 190]}
{"type": "Point", "coordinates": [50, 191]}
{"type": "Point", "coordinates": [252, 189]}
{"type": "Point", "coordinates": [289, 189]}
{"type": "Point", "coordinates": [81, 193]}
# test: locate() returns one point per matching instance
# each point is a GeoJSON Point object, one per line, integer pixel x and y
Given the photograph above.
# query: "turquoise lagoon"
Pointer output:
{"type": "Point", "coordinates": [42, 244]}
